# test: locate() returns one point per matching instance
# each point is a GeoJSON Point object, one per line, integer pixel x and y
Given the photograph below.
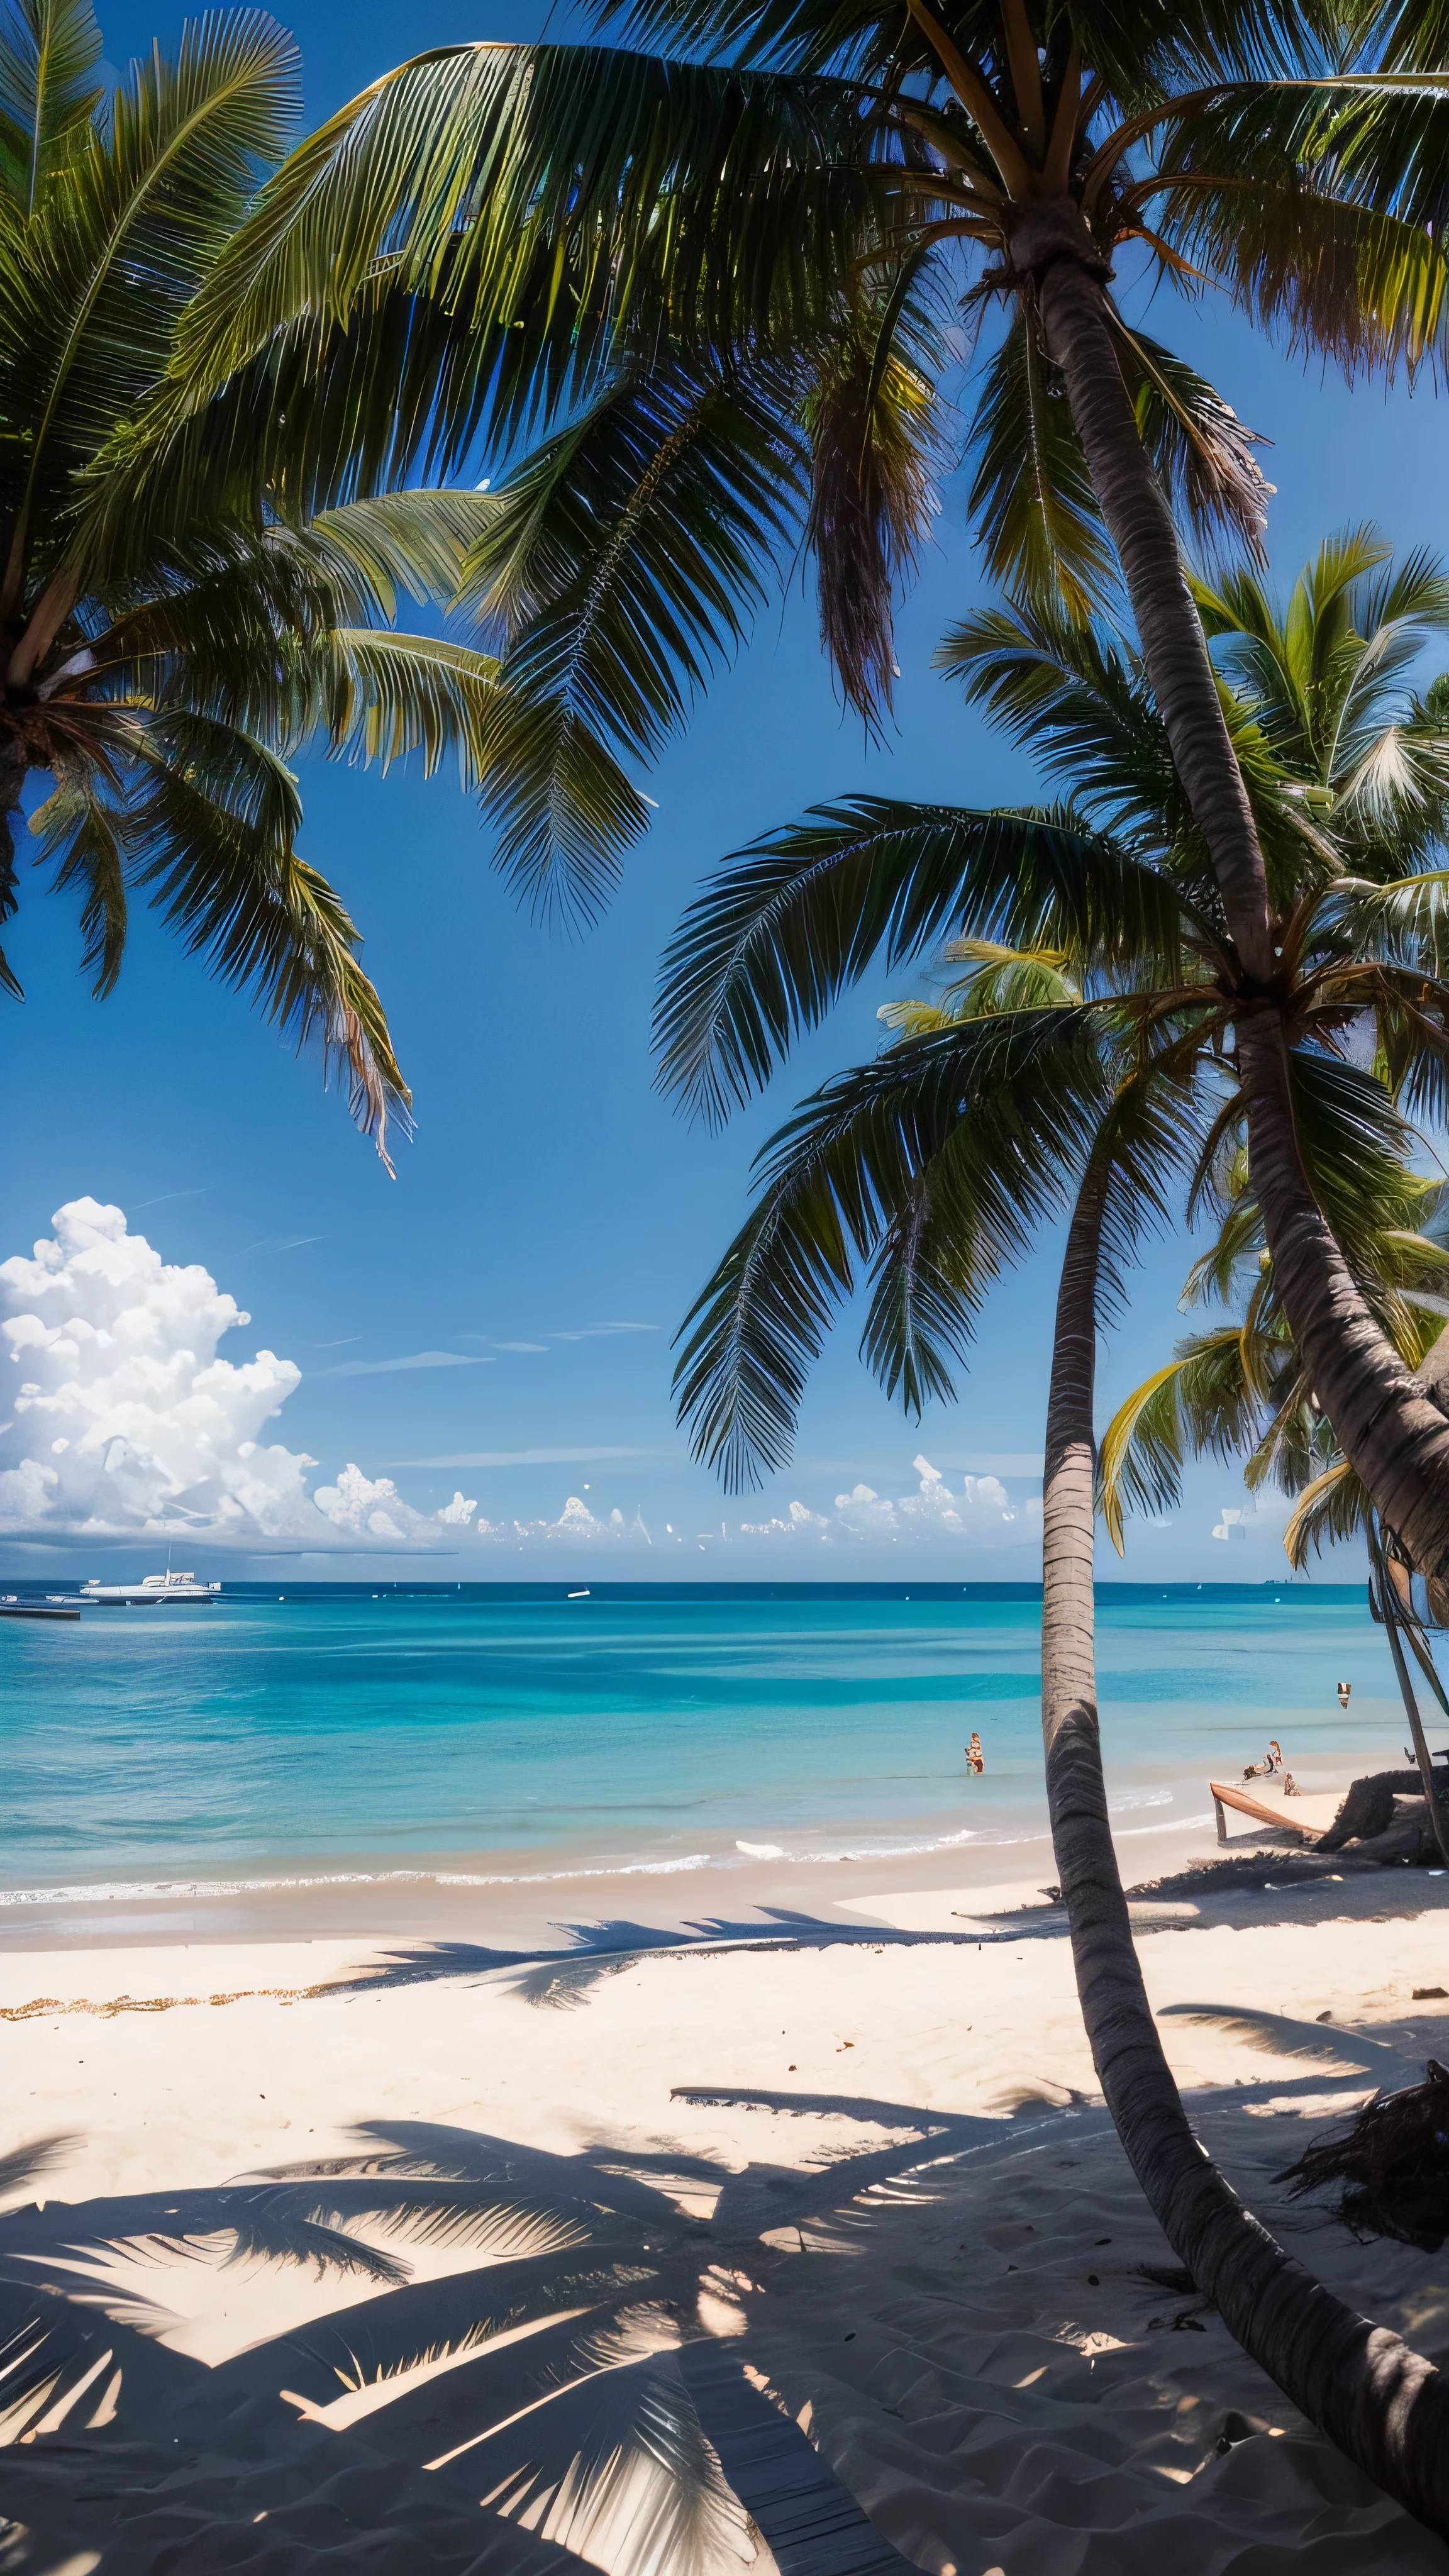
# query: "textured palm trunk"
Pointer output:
{"type": "Point", "coordinates": [1395, 1436]}
{"type": "Point", "coordinates": [1393, 1433]}
{"type": "Point", "coordinates": [1383, 2404]}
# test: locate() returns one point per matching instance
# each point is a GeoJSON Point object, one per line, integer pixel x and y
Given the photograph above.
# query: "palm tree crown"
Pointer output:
{"type": "Point", "coordinates": [1093, 938]}
{"type": "Point", "coordinates": [164, 674]}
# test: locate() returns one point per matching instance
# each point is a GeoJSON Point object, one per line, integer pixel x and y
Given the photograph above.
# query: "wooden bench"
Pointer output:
{"type": "Point", "coordinates": [1308, 1815]}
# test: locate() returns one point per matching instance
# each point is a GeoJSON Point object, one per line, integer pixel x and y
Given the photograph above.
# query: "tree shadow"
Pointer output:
{"type": "Point", "coordinates": [561, 1977]}
{"type": "Point", "coordinates": [559, 2395]}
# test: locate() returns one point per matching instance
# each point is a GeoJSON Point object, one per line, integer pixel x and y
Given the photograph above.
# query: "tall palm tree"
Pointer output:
{"type": "Point", "coordinates": [1084, 1057]}
{"type": "Point", "coordinates": [165, 682]}
{"type": "Point", "coordinates": [718, 278]}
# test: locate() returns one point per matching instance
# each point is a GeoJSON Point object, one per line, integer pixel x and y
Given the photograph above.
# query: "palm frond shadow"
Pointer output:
{"type": "Point", "coordinates": [554, 2399]}
{"type": "Point", "coordinates": [560, 1978]}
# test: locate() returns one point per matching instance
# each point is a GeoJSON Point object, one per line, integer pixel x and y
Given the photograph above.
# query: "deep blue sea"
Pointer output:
{"type": "Point", "coordinates": [492, 1732]}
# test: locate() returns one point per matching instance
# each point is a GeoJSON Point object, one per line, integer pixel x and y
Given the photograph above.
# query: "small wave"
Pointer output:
{"type": "Point", "coordinates": [121, 1891]}
{"type": "Point", "coordinates": [1126, 1799]}
{"type": "Point", "coordinates": [880, 1849]}
{"type": "Point", "coordinates": [1179, 1825]}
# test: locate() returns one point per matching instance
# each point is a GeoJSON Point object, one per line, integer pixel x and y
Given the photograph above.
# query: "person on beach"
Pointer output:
{"type": "Point", "coordinates": [1272, 1762]}
{"type": "Point", "coordinates": [975, 1758]}
{"type": "Point", "coordinates": [1290, 1786]}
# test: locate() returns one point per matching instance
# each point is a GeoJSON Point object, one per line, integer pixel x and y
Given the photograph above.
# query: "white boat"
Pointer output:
{"type": "Point", "coordinates": [153, 1592]}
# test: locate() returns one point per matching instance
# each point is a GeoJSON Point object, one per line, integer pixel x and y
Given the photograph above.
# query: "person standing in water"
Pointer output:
{"type": "Point", "coordinates": [975, 1758]}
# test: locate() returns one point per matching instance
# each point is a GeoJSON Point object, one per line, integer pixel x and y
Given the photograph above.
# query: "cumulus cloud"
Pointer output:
{"type": "Point", "coordinates": [123, 1421]}
{"type": "Point", "coordinates": [982, 1513]}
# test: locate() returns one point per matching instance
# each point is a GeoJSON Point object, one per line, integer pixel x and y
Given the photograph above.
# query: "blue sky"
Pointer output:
{"type": "Point", "coordinates": [553, 1218]}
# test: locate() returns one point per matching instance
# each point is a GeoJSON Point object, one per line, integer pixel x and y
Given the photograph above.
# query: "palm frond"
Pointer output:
{"type": "Point", "coordinates": [418, 541]}
{"type": "Point", "coordinates": [1206, 1399]}
{"type": "Point", "coordinates": [1031, 498]}
{"type": "Point", "coordinates": [50, 63]}
{"type": "Point", "coordinates": [78, 827]}
{"type": "Point", "coordinates": [872, 433]}
{"type": "Point", "coordinates": [135, 220]}
{"type": "Point", "coordinates": [592, 196]}
{"type": "Point", "coordinates": [382, 696]}
{"type": "Point", "coordinates": [237, 892]}
{"type": "Point", "coordinates": [1334, 1506]}
{"type": "Point", "coordinates": [960, 1142]}
{"type": "Point", "coordinates": [615, 569]}
{"type": "Point", "coordinates": [1202, 452]}
{"type": "Point", "coordinates": [790, 922]}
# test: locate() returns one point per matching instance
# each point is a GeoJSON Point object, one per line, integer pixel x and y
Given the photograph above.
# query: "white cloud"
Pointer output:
{"type": "Point", "coordinates": [410, 1360]}
{"type": "Point", "coordinates": [982, 1514]}
{"type": "Point", "coordinates": [124, 1422]}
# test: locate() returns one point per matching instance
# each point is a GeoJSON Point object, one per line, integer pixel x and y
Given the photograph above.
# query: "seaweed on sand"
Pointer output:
{"type": "Point", "coordinates": [1393, 2163]}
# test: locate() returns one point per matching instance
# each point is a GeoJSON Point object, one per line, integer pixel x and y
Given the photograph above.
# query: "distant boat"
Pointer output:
{"type": "Point", "coordinates": [153, 1592]}
{"type": "Point", "coordinates": [12, 1607]}
{"type": "Point", "coordinates": [578, 1596]}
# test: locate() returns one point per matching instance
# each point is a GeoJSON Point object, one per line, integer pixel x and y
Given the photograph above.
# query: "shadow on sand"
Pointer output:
{"type": "Point", "coordinates": [579, 2380]}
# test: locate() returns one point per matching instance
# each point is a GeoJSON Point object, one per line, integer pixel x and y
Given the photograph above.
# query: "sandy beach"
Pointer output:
{"type": "Point", "coordinates": [863, 2152]}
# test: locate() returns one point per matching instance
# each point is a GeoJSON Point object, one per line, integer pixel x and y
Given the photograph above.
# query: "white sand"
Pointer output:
{"type": "Point", "coordinates": [926, 2312]}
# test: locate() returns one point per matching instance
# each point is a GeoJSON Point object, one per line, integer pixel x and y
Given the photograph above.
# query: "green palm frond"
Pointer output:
{"type": "Point", "coordinates": [612, 572]}
{"type": "Point", "coordinates": [1076, 697]}
{"type": "Point", "coordinates": [418, 541]}
{"type": "Point", "coordinates": [589, 194]}
{"type": "Point", "coordinates": [789, 923]}
{"type": "Point", "coordinates": [939, 1157]}
{"type": "Point", "coordinates": [236, 890]}
{"type": "Point", "coordinates": [1207, 1397]}
{"type": "Point", "coordinates": [50, 62]}
{"type": "Point", "coordinates": [133, 222]}
{"type": "Point", "coordinates": [78, 827]}
{"type": "Point", "coordinates": [1031, 497]}
{"type": "Point", "coordinates": [998, 978]}
{"type": "Point", "coordinates": [383, 696]}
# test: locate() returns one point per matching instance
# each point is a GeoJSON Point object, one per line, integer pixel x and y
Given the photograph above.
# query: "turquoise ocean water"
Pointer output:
{"type": "Point", "coordinates": [487, 1732]}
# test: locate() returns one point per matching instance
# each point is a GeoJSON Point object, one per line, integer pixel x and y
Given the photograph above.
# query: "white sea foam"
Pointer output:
{"type": "Point", "coordinates": [119, 1891]}
{"type": "Point", "coordinates": [762, 1851]}
{"type": "Point", "coordinates": [1179, 1825]}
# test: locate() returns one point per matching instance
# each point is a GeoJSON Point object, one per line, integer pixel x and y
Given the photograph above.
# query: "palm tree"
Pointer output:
{"type": "Point", "coordinates": [718, 279]}
{"type": "Point", "coordinates": [164, 683]}
{"type": "Point", "coordinates": [1084, 1057]}
{"type": "Point", "coordinates": [1242, 1386]}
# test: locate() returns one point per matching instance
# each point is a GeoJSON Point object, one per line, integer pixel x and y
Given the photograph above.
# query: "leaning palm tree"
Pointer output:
{"type": "Point", "coordinates": [164, 685]}
{"type": "Point", "coordinates": [1241, 1387]}
{"type": "Point", "coordinates": [716, 284]}
{"type": "Point", "coordinates": [1084, 1057]}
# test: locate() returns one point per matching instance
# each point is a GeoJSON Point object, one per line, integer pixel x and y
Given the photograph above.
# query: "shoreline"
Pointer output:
{"type": "Point", "coordinates": [503, 1893]}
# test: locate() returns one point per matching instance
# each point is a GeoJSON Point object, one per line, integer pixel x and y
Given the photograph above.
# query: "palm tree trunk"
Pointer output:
{"type": "Point", "coordinates": [1380, 2402]}
{"type": "Point", "coordinates": [1395, 1436]}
